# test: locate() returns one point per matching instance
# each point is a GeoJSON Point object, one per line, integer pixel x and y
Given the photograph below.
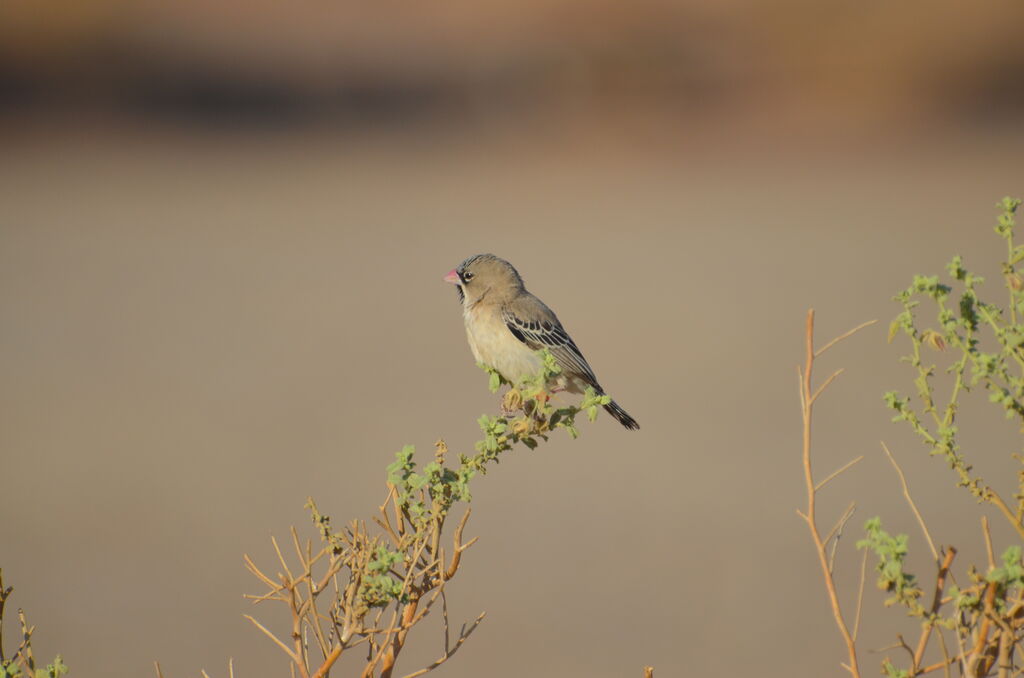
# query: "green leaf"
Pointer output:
{"type": "Point", "coordinates": [54, 670]}
{"type": "Point", "coordinates": [892, 672]}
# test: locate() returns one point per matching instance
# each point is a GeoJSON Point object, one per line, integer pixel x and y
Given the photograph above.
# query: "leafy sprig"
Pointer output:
{"type": "Point", "coordinates": [985, 349]}
{"type": "Point", "coordinates": [385, 581]}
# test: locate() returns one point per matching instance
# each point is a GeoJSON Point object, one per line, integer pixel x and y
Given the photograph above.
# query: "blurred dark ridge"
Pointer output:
{"type": "Point", "coordinates": [169, 86]}
{"type": "Point", "coordinates": [212, 98]}
{"type": "Point", "coordinates": [213, 64]}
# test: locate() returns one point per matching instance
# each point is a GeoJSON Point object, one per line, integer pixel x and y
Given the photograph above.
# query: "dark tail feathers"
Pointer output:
{"type": "Point", "coordinates": [622, 416]}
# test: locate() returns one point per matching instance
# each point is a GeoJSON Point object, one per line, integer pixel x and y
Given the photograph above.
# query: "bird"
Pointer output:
{"type": "Point", "coordinates": [506, 326]}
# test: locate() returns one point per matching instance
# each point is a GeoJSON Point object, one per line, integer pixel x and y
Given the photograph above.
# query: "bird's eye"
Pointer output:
{"type": "Point", "coordinates": [467, 276]}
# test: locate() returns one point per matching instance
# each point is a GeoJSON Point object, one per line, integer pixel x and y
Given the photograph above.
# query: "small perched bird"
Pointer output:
{"type": "Point", "coordinates": [506, 326]}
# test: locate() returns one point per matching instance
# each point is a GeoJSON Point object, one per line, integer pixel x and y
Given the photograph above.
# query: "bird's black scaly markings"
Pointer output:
{"type": "Point", "coordinates": [552, 336]}
{"type": "Point", "coordinates": [516, 332]}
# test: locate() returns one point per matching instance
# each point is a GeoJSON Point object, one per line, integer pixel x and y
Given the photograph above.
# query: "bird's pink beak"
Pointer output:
{"type": "Point", "coordinates": [453, 277]}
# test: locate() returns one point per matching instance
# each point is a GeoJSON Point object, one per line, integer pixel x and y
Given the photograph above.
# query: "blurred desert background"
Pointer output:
{"type": "Point", "coordinates": [223, 229]}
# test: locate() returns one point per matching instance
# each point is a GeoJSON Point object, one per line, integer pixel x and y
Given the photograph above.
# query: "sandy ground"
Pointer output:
{"type": "Point", "coordinates": [200, 331]}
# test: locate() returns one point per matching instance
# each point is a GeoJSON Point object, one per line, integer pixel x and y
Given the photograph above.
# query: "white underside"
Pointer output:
{"type": "Point", "coordinates": [494, 345]}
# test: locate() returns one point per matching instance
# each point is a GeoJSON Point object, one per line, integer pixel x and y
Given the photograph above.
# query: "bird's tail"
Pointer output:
{"type": "Point", "coordinates": [622, 416]}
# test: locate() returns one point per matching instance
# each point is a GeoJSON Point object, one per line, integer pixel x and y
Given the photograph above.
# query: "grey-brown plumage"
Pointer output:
{"type": "Point", "coordinates": [506, 325]}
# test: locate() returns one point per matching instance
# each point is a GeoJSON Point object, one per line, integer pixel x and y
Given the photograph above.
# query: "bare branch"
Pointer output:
{"type": "Point", "coordinates": [913, 506]}
{"type": "Point", "coordinates": [821, 389]}
{"type": "Point", "coordinates": [988, 543]}
{"type": "Point", "coordinates": [329, 661]}
{"type": "Point", "coordinates": [860, 592]}
{"type": "Point", "coordinates": [280, 644]}
{"type": "Point", "coordinates": [848, 465]}
{"type": "Point", "coordinates": [458, 547]}
{"type": "Point", "coordinates": [449, 654]}
{"type": "Point", "coordinates": [807, 405]}
{"type": "Point", "coordinates": [844, 335]}
{"type": "Point", "coordinates": [837, 532]}
{"type": "Point", "coordinates": [280, 557]}
{"type": "Point", "coordinates": [940, 585]}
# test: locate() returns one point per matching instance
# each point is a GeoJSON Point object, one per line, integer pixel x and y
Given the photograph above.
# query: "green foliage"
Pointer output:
{"type": "Point", "coordinates": [980, 347]}
{"type": "Point", "coordinates": [494, 379]}
{"type": "Point", "coordinates": [22, 664]}
{"type": "Point", "coordinates": [427, 495]}
{"type": "Point", "coordinates": [892, 672]}
{"type": "Point", "coordinates": [1009, 579]}
{"type": "Point", "coordinates": [891, 552]}
{"type": "Point", "coordinates": [983, 347]}
{"type": "Point", "coordinates": [1011, 573]}
{"type": "Point", "coordinates": [527, 417]}
{"type": "Point", "coordinates": [10, 669]}
{"type": "Point", "coordinates": [379, 587]}
{"type": "Point", "coordinates": [385, 581]}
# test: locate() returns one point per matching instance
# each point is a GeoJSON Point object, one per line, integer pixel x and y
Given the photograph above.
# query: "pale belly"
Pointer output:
{"type": "Point", "coordinates": [495, 346]}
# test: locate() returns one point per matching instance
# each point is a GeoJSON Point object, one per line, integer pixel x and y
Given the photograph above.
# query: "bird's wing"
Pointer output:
{"type": "Point", "coordinates": [534, 324]}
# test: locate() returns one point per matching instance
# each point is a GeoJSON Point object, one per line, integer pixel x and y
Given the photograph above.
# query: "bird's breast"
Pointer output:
{"type": "Point", "coordinates": [495, 346]}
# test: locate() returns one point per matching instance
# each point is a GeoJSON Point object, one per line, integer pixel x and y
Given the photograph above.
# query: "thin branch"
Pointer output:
{"type": "Point", "coordinates": [280, 644]}
{"type": "Point", "coordinates": [386, 525]}
{"type": "Point", "coordinates": [837, 532]}
{"type": "Point", "coordinates": [5, 593]}
{"type": "Point", "coordinates": [846, 334]}
{"type": "Point", "coordinates": [312, 616]}
{"type": "Point", "coordinates": [837, 529]}
{"type": "Point", "coordinates": [940, 585]}
{"type": "Point", "coordinates": [298, 550]}
{"type": "Point", "coordinates": [913, 506]}
{"type": "Point", "coordinates": [1004, 656]}
{"type": "Point", "coordinates": [947, 660]}
{"type": "Point", "coordinates": [391, 493]}
{"type": "Point", "coordinates": [251, 566]}
{"type": "Point", "coordinates": [463, 636]}
{"type": "Point", "coordinates": [902, 643]}
{"type": "Point", "coordinates": [26, 641]}
{"type": "Point", "coordinates": [944, 664]}
{"type": "Point", "coordinates": [298, 608]}
{"type": "Point", "coordinates": [988, 543]}
{"type": "Point", "coordinates": [270, 595]}
{"type": "Point", "coordinates": [329, 661]}
{"type": "Point", "coordinates": [333, 569]}
{"type": "Point", "coordinates": [396, 506]}
{"type": "Point", "coordinates": [806, 411]}
{"type": "Point", "coordinates": [982, 639]}
{"type": "Point", "coordinates": [458, 546]}
{"type": "Point", "coordinates": [860, 593]}
{"type": "Point", "coordinates": [837, 472]}
{"type": "Point", "coordinates": [961, 650]}
{"type": "Point", "coordinates": [800, 387]}
{"type": "Point", "coordinates": [280, 557]}
{"type": "Point", "coordinates": [825, 384]}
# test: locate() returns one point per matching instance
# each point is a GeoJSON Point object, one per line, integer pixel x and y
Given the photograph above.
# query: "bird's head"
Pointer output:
{"type": "Point", "coordinates": [484, 275]}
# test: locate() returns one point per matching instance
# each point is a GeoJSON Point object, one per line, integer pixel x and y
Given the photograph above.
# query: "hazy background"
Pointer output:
{"type": "Point", "coordinates": [223, 229]}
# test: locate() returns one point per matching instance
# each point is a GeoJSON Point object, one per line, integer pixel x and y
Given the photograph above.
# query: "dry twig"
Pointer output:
{"type": "Point", "coordinates": [808, 397]}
